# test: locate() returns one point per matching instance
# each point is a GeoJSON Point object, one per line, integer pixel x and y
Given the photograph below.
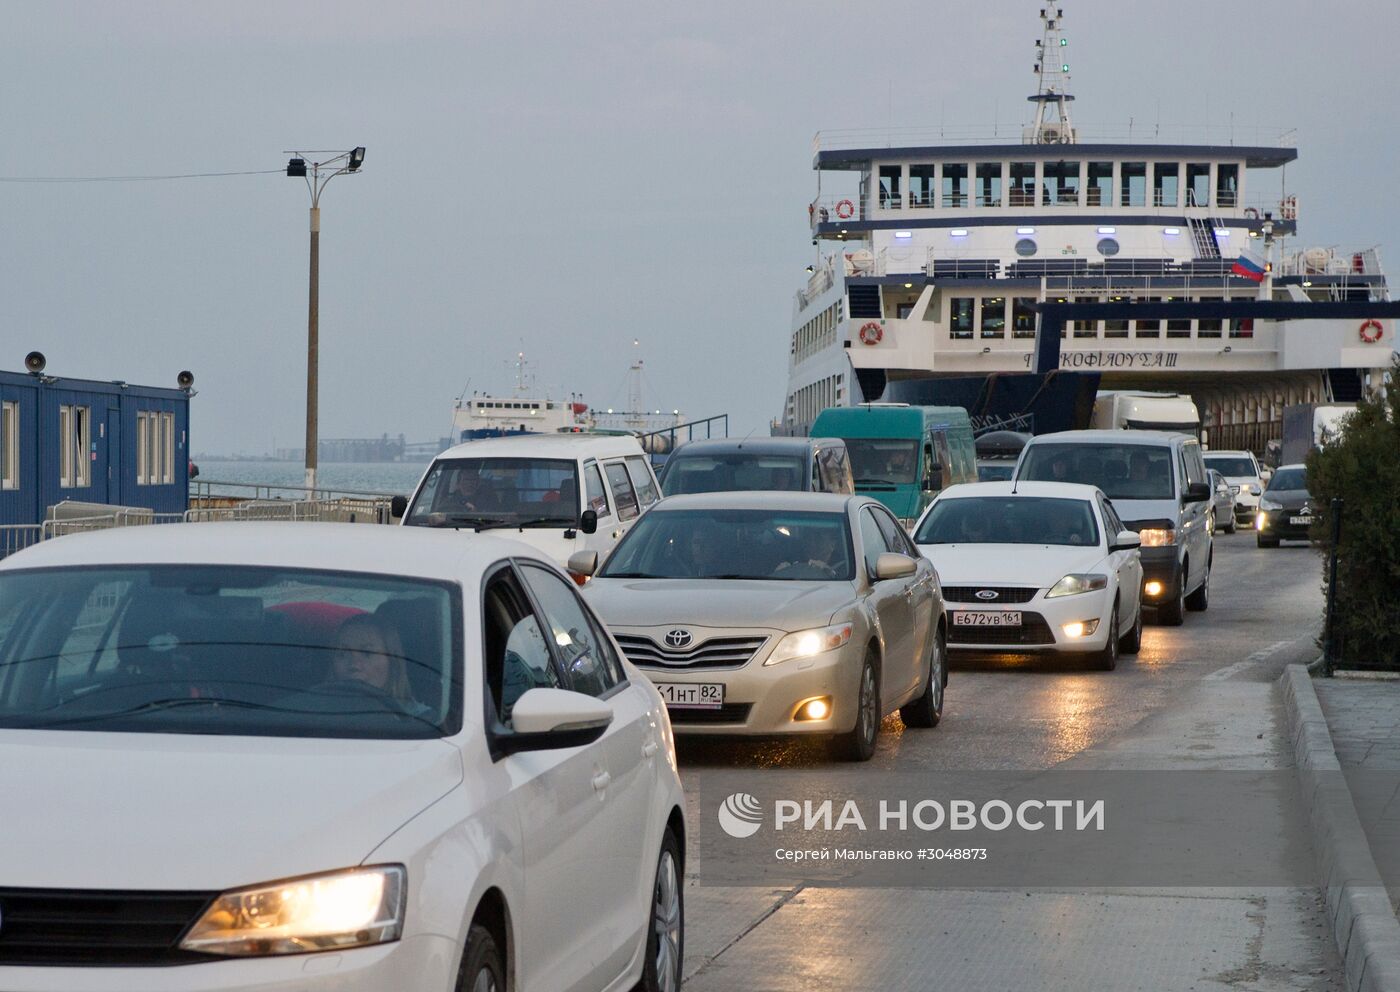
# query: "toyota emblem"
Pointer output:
{"type": "Point", "coordinates": [678, 638]}
{"type": "Point", "coordinates": [987, 594]}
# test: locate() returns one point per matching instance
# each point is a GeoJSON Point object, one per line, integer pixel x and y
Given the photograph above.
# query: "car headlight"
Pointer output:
{"type": "Point", "coordinates": [337, 910]}
{"type": "Point", "coordinates": [1268, 504]}
{"type": "Point", "coordinates": [807, 643]}
{"type": "Point", "coordinates": [1073, 585]}
{"type": "Point", "coordinates": [1157, 537]}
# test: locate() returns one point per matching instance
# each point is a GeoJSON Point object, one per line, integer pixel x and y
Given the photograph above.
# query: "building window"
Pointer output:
{"type": "Point", "coordinates": [1134, 184]}
{"type": "Point", "coordinates": [167, 421]}
{"type": "Point", "coordinates": [1227, 185]}
{"type": "Point", "coordinates": [1022, 317]}
{"type": "Point", "coordinates": [75, 461]}
{"type": "Point", "coordinates": [989, 184]}
{"type": "Point", "coordinates": [1165, 177]}
{"type": "Point", "coordinates": [1100, 189]}
{"type": "Point", "coordinates": [993, 317]}
{"type": "Point", "coordinates": [889, 187]}
{"type": "Point", "coordinates": [9, 445]}
{"type": "Point", "coordinates": [954, 185]}
{"type": "Point", "coordinates": [155, 448]}
{"type": "Point", "coordinates": [922, 180]}
{"type": "Point", "coordinates": [1021, 193]}
{"type": "Point", "coordinates": [1061, 184]}
{"type": "Point", "coordinates": [1198, 184]}
{"type": "Point", "coordinates": [960, 318]}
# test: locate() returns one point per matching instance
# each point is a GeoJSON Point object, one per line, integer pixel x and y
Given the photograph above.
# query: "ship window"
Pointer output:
{"type": "Point", "coordinates": [1108, 246]}
{"type": "Point", "coordinates": [1198, 184]}
{"type": "Point", "coordinates": [1209, 327]}
{"type": "Point", "coordinates": [1227, 185]}
{"type": "Point", "coordinates": [954, 185]}
{"type": "Point", "coordinates": [1026, 247]}
{"type": "Point", "coordinates": [922, 182]}
{"type": "Point", "coordinates": [1178, 327]}
{"type": "Point", "coordinates": [1100, 189]}
{"type": "Point", "coordinates": [960, 318]}
{"type": "Point", "coordinates": [1116, 328]}
{"type": "Point", "coordinates": [1165, 178]}
{"type": "Point", "coordinates": [889, 187]}
{"type": "Point", "coordinates": [1241, 327]}
{"type": "Point", "coordinates": [1022, 317]}
{"type": "Point", "coordinates": [989, 184]}
{"type": "Point", "coordinates": [1134, 184]}
{"type": "Point", "coordinates": [1149, 328]}
{"type": "Point", "coordinates": [1022, 190]}
{"type": "Point", "coordinates": [9, 445]}
{"type": "Point", "coordinates": [993, 317]}
{"type": "Point", "coordinates": [1086, 328]}
{"type": "Point", "coordinates": [1061, 184]}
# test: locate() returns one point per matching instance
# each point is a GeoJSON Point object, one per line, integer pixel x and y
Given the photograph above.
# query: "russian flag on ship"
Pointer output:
{"type": "Point", "coordinates": [1249, 265]}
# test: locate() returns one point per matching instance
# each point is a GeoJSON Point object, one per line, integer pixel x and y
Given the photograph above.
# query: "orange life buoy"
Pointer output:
{"type": "Point", "coordinates": [845, 209]}
{"type": "Point", "coordinates": [1371, 331]}
{"type": "Point", "coordinates": [1251, 213]}
{"type": "Point", "coordinates": [871, 333]}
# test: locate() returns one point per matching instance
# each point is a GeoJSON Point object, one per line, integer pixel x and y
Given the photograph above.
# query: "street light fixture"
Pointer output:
{"type": "Point", "coordinates": [316, 179]}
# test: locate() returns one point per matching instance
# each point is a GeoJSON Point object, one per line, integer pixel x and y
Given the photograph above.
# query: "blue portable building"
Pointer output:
{"type": "Point", "coordinates": [98, 442]}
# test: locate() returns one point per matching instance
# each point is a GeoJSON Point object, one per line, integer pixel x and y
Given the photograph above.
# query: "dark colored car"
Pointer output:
{"type": "Point", "coordinates": [785, 464]}
{"type": "Point", "coordinates": [1285, 509]}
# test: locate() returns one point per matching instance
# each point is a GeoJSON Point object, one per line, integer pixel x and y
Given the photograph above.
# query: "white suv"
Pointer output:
{"type": "Point", "coordinates": [1241, 470]}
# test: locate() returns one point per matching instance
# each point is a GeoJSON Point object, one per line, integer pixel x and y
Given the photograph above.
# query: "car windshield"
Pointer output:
{"type": "Point", "coordinates": [1232, 466]}
{"type": "Point", "coordinates": [735, 544]}
{"type": "Point", "coordinates": [535, 492]}
{"type": "Point", "coordinates": [733, 471]}
{"type": "Point", "coordinates": [1122, 471]}
{"type": "Point", "coordinates": [1289, 478]}
{"type": "Point", "coordinates": [883, 461]}
{"type": "Point", "coordinates": [995, 471]}
{"type": "Point", "coordinates": [1009, 520]}
{"type": "Point", "coordinates": [211, 649]}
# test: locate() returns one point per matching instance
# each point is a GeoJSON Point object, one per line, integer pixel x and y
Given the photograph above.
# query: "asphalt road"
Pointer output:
{"type": "Point", "coordinates": [1198, 696]}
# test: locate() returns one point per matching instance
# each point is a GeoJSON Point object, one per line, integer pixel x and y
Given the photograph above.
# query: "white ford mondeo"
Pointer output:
{"type": "Point", "coordinates": [318, 756]}
{"type": "Point", "coordinates": [1035, 567]}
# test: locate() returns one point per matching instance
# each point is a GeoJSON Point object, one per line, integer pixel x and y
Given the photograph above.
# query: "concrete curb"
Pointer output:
{"type": "Point", "coordinates": [1358, 906]}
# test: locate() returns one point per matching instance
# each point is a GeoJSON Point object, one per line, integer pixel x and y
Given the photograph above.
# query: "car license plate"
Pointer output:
{"type": "Point", "coordinates": [985, 618]}
{"type": "Point", "coordinates": [692, 695]}
{"type": "Point", "coordinates": [1300, 521]}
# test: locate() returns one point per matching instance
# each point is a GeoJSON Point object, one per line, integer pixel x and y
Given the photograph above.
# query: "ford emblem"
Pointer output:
{"type": "Point", "coordinates": [987, 594]}
{"type": "Point", "coordinates": [678, 638]}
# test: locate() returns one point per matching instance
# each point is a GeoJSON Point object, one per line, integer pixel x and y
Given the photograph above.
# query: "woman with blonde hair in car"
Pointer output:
{"type": "Point", "coordinates": [369, 651]}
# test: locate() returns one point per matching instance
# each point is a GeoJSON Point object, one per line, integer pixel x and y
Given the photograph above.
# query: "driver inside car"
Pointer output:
{"type": "Point", "coordinates": [816, 557]}
{"type": "Point", "coordinates": [367, 651]}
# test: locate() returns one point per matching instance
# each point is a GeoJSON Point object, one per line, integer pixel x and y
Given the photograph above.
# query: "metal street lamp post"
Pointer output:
{"type": "Point", "coordinates": [317, 175]}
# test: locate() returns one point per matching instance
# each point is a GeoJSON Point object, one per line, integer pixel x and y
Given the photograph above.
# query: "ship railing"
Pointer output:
{"type": "Point", "coordinates": [1223, 204]}
{"type": "Point", "coordinates": [1331, 261]}
{"type": "Point", "coordinates": [1129, 133]}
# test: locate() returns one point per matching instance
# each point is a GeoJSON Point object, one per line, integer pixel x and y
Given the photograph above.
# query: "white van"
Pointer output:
{"type": "Point", "coordinates": [561, 493]}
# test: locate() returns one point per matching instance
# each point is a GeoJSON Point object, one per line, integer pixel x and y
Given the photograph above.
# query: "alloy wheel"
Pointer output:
{"type": "Point", "coordinates": [485, 981]}
{"type": "Point", "coordinates": [666, 924]}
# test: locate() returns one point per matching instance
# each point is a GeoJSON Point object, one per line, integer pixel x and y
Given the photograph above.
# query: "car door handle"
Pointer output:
{"type": "Point", "coordinates": [649, 749]}
{"type": "Point", "coordinates": [600, 781]}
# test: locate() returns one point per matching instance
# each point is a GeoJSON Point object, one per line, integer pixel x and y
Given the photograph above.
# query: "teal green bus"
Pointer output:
{"type": "Point", "coordinates": [903, 455]}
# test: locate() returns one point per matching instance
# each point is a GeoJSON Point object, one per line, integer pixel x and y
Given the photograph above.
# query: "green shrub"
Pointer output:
{"type": "Point", "coordinates": [1362, 467]}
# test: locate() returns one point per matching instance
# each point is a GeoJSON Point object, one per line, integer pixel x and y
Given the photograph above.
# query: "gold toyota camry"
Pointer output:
{"type": "Point", "coordinates": [777, 613]}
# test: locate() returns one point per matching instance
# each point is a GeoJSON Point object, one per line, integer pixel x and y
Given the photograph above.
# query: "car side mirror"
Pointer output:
{"type": "Point", "coordinates": [1126, 541]}
{"type": "Point", "coordinates": [549, 719]}
{"type": "Point", "coordinates": [935, 478]}
{"type": "Point", "coordinates": [583, 562]}
{"type": "Point", "coordinates": [588, 521]}
{"type": "Point", "coordinates": [891, 565]}
{"type": "Point", "coordinates": [1196, 492]}
{"type": "Point", "coordinates": [398, 506]}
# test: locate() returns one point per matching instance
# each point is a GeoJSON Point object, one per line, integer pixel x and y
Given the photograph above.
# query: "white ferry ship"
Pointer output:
{"type": "Point", "coordinates": [934, 249]}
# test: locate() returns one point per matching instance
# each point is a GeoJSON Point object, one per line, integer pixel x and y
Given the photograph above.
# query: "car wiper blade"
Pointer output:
{"type": "Point", "coordinates": [522, 524]}
{"type": "Point", "coordinates": [874, 482]}
{"type": "Point", "coordinates": [636, 575]}
{"type": "Point", "coordinates": [158, 705]}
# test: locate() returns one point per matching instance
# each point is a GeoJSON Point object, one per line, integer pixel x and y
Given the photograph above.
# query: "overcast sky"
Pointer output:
{"type": "Point", "coordinates": [560, 177]}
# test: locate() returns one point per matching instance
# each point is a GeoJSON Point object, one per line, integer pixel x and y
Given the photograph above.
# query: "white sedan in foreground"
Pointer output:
{"type": "Point", "coordinates": [325, 757]}
{"type": "Point", "coordinates": [1035, 567]}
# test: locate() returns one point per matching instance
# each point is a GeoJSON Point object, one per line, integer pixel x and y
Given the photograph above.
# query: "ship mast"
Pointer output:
{"type": "Point", "coordinates": [1052, 123]}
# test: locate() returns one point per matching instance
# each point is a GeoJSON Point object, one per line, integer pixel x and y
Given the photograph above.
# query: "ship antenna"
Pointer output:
{"type": "Point", "coordinates": [1052, 99]}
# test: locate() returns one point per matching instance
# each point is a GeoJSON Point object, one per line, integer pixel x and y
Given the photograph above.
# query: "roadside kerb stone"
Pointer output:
{"type": "Point", "coordinates": [1358, 906]}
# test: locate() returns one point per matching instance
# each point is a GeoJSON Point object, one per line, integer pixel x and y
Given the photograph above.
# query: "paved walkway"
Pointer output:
{"type": "Point", "coordinates": [1363, 716]}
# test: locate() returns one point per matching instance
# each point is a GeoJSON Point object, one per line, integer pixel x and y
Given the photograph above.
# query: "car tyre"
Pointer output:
{"type": "Point", "coordinates": [1107, 659]}
{"type": "Point", "coordinates": [859, 743]}
{"type": "Point", "coordinates": [661, 968]}
{"type": "Point", "coordinates": [481, 969]}
{"type": "Point", "coordinates": [1230, 529]}
{"type": "Point", "coordinates": [1199, 601]}
{"type": "Point", "coordinates": [1131, 642]}
{"type": "Point", "coordinates": [927, 710]}
{"type": "Point", "coordinates": [1171, 614]}
{"type": "Point", "coordinates": [1267, 542]}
